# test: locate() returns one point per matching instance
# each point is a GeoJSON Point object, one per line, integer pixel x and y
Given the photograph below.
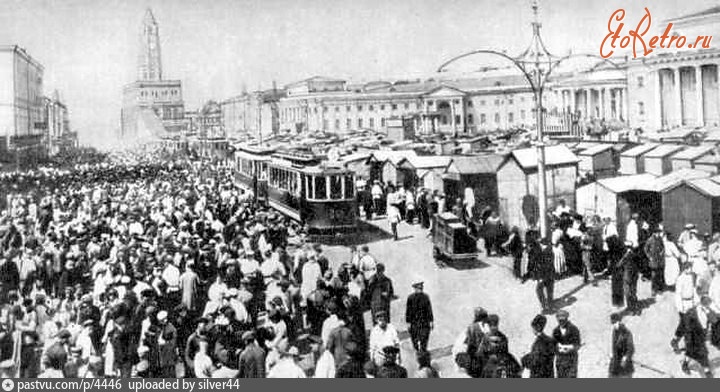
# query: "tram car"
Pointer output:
{"type": "Point", "coordinates": [301, 186]}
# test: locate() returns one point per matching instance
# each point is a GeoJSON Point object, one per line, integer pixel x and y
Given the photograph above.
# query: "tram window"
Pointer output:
{"type": "Point", "coordinates": [320, 190]}
{"type": "Point", "coordinates": [294, 183]}
{"type": "Point", "coordinates": [349, 187]}
{"type": "Point", "coordinates": [310, 188]}
{"type": "Point", "coordinates": [303, 186]}
{"type": "Point", "coordinates": [336, 187]}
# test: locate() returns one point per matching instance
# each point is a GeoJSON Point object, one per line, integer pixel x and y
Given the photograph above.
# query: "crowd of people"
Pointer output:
{"type": "Point", "coordinates": [148, 267]}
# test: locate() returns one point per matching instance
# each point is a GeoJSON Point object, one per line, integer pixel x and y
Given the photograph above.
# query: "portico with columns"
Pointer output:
{"type": "Point", "coordinates": [597, 101]}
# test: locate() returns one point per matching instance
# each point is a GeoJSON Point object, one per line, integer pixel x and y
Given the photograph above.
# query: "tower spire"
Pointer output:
{"type": "Point", "coordinates": [149, 60]}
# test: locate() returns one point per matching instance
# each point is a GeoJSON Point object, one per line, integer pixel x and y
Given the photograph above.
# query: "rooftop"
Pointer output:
{"type": "Point", "coordinates": [554, 156]}
{"type": "Point", "coordinates": [664, 151]}
{"type": "Point", "coordinates": [635, 182]}
{"type": "Point", "coordinates": [476, 164]}
{"type": "Point", "coordinates": [639, 150]}
{"type": "Point", "coordinates": [693, 153]}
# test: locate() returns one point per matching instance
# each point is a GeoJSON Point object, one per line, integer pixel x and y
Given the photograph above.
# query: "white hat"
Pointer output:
{"type": "Point", "coordinates": [162, 315]}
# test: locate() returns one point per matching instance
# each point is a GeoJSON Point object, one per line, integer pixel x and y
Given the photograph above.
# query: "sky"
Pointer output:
{"type": "Point", "coordinates": [89, 47]}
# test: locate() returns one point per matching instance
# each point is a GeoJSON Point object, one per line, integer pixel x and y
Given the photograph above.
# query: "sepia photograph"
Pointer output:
{"type": "Point", "coordinates": [357, 189]}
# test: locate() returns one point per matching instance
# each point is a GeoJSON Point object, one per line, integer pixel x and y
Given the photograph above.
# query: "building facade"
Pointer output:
{"type": "Point", "coordinates": [22, 122]}
{"type": "Point", "coordinates": [456, 106]}
{"type": "Point", "coordinates": [152, 106]}
{"type": "Point", "coordinates": [253, 114]}
{"type": "Point", "coordinates": [678, 89]}
{"type": "Point", "coordinates": [58, 137]}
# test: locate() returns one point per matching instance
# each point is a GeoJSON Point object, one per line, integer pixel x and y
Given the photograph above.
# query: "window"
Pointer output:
{"type": "Point", "coordinates": [394, 106]}
{"type": "Point", "coordinates": [430, 103]}
{"type": "Point", "coordinates": [325, 124]}
{"type": "Point", "coordinates": [348, 123]}
{"type": "Point", "coordinates": [522, 114]}
{"type": "Point", "coordinates": [641, 108]}
{"type": "Point", "coordinates": [336, 187]}
{"type": "Point", "coordinates": [320, 189]}
{"type": "Point", "coordinates": [360, 123]}
{"type": "Point", "coordinates": [483, 119]}
{"type": "Point", "coordinates": [347, 108]}
{"type": "Point", "coordinates": [482, 102]}
{"type": "Point", "coordinates": [511, 117]}
{"type": "Point", "coordinates": [470, 119]}
{"type": "Point", "coordinates": [469, 104]}
{"type": "Point", "coordinates": [371, 108]}
{"type": "Point", "coordinates": [510, 101]}
{"type": "Point", "coordinates": [417, 106]}
{"type": "Point", "coordinates": [640, 81]}
{"type": "Point", "coordinates": [315, 109]}
{"type": "Point", "coordinates": [359, 108]}
{"type": "Point", "coordinates": [382, 107]}
{"type": "Point", "coordinates": [407, 106]}
{"type": "Point", "coordinates": [337, 124]}
{"type": "Point", "coordinates": [497, 102]}
{"type": "Point", "coordinates": [349, 187]}
{"type": "Point", "coordinates": [325, 109]}
{"type": "Point", "coordinates": [522, 99]}
{"type": "Point", "coordinates": [497, 118]}
{"type": "Point", "coordinates": [372, 123]}
{"type": "Point", "coordinates": [456, 102]}
{"type": "Point", "coordinates": [382, 122]}
{"type": "Point", "coordinates": [457, 119]}
{"type": "Point", "coordinates": [337, 109]}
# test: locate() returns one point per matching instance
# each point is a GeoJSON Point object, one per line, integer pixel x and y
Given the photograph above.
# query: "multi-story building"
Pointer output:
{"type": "Point", "coordinates": [22, 122]}
{"type": "Point", "coordinates": [678, 87]}
{"type": "Point", "coordinates": [478, 104]}
{"type": "Point", "coordinates": [152, 106]}
{"type": "Point", "coordinates": [252, 114]}
{"type": "Point", "coordinates": [58, 136]}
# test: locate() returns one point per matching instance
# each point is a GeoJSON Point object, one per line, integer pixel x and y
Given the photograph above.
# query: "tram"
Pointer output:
{"type": "Point", "coordinates": [301, 186]}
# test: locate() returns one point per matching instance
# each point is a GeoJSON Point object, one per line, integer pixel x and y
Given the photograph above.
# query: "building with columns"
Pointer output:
{"type": "Point", "coordinates": [461, 106]}
{"type": "Point", "coordinates": [597, 94]}
{"type": "Point", "coordinates": [679, 87]}
{"type": "Point", "coordinates": [152, 106]}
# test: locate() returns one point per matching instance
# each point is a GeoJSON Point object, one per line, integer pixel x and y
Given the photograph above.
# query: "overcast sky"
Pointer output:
{"type": "Point", "coordinates": [89, 47]}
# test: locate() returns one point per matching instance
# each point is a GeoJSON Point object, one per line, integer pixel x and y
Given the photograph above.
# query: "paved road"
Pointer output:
{"type": "Point", "coordinates": [456, 290]}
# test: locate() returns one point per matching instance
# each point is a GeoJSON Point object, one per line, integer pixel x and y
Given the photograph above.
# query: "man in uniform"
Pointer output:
{"type": "Point", "coordinates": [419, 316]}
{"type": "Point", "coordinates": [541, 357]}
{"type": "Point", "coordinates": [567, 339]}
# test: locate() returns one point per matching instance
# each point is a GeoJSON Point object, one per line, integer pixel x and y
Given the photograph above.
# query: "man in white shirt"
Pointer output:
{"type": "Point", "coordinates": [631, 231]}
{"type": "Point", "coordinates": [368, 265]}
{"type": "Point", "coordinates": [202, 363]}
{"type": "Point", "coordinates": [382, 335]}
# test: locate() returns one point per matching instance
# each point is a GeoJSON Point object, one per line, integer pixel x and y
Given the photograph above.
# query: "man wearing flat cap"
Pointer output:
{"type": "Point", "coordinates": [541, 357]}
{"type": "Point", "coordinates": [251, 363]}
{"type": "Point", "coordinates": [623, 348]}
{"type": "Point", "coordinates": [567, 339]}
{"type": "Point", "coordinates": [419, 317]}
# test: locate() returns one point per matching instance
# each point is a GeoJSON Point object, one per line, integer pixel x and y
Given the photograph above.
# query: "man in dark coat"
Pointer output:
{"type": "Point", "coordinates": [655, 252]}
{"type": "Point", "coordinates": [541, 357]}
{"type": "Point", "coordinates": [631, 273]}
{"type": "Point", "coordinates": [380, 292]}
{"type": "Point", "coordinates": [338, 341]}
{"type": "Point", "coordinates": [474, 337]}
{"type": "Point", "coordinates": [419, 315]}
{"type": "Point", "coordinates": [251, 363]}
{"type": "Point", "coordinates": [390, 369]}
{"type": "Point", "coordinates": [567, 339]}
{"type": "Point", "coordinates": [355, 366]}
{"type": "Point", "coordinates": [541, 269]}
{"type": "Point", "coordinates": [623, 348]}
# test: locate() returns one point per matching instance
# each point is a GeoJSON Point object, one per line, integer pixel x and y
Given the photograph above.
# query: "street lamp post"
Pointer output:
{"type": "Point", "coordinates": [536, 64]}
